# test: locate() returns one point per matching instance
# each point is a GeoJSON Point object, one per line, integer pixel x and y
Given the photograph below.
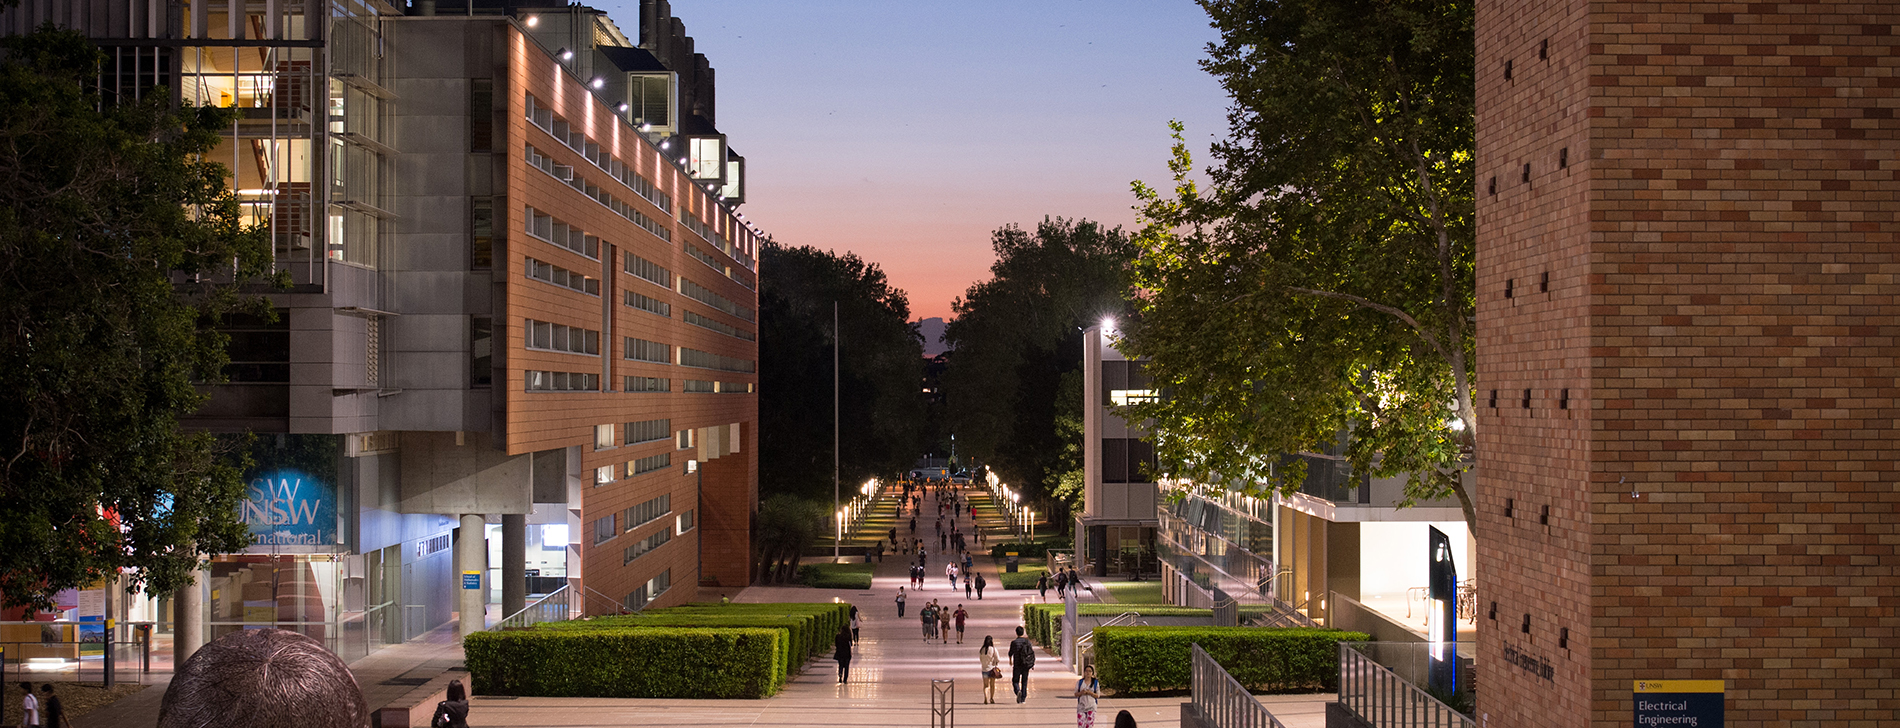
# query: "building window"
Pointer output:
{"type": "Point", "coordinates": [648, 511]}
{"type": "Point", "coordinates": [546, 227]}
{"type": "Point", "coordinates": [559, 337]}
{"type": "Point", "coordinates": [481, 233]}
{"type": "Point", "coordinates": [649, 304]}
{"type": "Point", "coordinates": [721, 327]}
{"type": "Point", "coordinates": [604, 474]}
{"type": "Point", "coordinates": [645, 546]}
{"type": "Point", "coordinates": [651, 590]}
{"type": "Point", "coordinates": [550, 273]}
{"type": "Point", "coordinates": [648, 431]}
{"type": "Point", "coordinates": [606, 527]}
{"type": "Point", "coordinates": [648, 464]}
{"type": "Point", "coordinates": [1127, 460]}
{"type": "Point", "coordinates": [603, 437]}
{"type": "Point", "coordinates": [647, 384]}
{"type": "Point", "coordinates": [709, 360]}
{"type": "Point", "coordinates": [685, 522]}
{"type": "Point", "coordinates": [259, 350]}
{"type": "Point", "coordinates": [543, 381]}
{"type": "Point", "coordinates": [481, 115]}
{"type": "Point", "coordinates": [648, 351]}
{"type": "Point", "coordinates": [684, 439]}
{"type": "Point", "coordinates": [706, 296]}
{"type": "Point", "coordinates": [1127, 382]}
{"type": "Point", "coordinates": [481, 351]}
{"type": "Point", "coordinates": [649, 271]}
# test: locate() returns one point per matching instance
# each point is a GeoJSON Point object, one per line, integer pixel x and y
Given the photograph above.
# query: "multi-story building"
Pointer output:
{"type": "Point", "coordinates": [521, 330]}
{"type": "Point", "coordinates": [1115, 531]}
{"type": "Point", "coordinates": [1687, 322]}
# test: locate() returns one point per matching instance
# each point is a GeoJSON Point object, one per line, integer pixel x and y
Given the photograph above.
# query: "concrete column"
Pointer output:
{"type": "Point", "coordinates": [188, 619]}
{"type": "Point", "coordinates": [471, 554]}
{"type": "Point", "coordinates": [514, 563]}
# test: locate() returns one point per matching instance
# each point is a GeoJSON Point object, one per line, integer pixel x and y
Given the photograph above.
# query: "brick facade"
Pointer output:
{"type": "Point", "coordinates": [1712, 191]}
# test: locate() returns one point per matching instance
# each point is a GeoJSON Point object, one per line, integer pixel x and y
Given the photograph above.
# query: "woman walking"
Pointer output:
{"type": "Point", "coordinates": [986, 655]}
{"type": "Point", "coordinates": [943, 623]}
{"type": "Point", "coordinates": [854, 625]}
{"type": "Point", "coordinates": [842, 653]}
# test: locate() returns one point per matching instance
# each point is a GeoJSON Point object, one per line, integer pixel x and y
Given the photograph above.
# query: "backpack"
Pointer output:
{"type": "Point", "coordinates": [1023, 653]}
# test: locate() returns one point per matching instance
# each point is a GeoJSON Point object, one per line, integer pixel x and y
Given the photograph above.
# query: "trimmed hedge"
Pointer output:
{"type": "Point", "coordinates": [836, 576]}
{"type": "Point", "coordinates": [1150, 659]}
{"type": "Point", "coordinates": [1023, 578]}
{"type": "Point", "coordinates": [645, 662]}
{"type": "Point", "coordinates": [809, 626]}
{"type": "Point", "coordinates": [1043, 622]}
{"type": "Point", "coordinates": [1033, 550]}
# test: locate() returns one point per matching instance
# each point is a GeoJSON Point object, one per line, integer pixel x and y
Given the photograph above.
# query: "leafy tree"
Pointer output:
{"type": "Point", "coordinates": [1016, 337]}
{"type": "Point", "coordinates": [118, 247]}
{"type": "Point", "coordinates": [881, 366]}
{"type": "Point", "coordinates": [784, 527]}
{"type": "Point", "coordinates": [1324, 284]}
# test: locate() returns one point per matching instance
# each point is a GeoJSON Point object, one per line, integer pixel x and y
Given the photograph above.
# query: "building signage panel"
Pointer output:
{"type": "Point", "coordinates": [471, 580]}
{"type": "Point", "coordinates": [291, 491]}
{"type": "Point", "coordinates": [1679, 703]}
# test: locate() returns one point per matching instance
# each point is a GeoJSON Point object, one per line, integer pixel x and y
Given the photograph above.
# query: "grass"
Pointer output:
{"type": "Point", "coordinates": [836, 576]}
{"type": "Point", "coordinates": [1024, 578]}
{"type": "Point", "coordinates": [1135, 592]}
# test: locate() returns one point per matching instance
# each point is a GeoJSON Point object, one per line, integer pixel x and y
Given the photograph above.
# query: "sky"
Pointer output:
{"type": "Point", "coordinates": [907, 132]}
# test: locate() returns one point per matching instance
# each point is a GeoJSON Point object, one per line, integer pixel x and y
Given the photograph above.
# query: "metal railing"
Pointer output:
{"type": "Point", "coordinates": [1087, 640]}
{"type": "Point", "coordinates": [1384, 700]}
{"type": "Point", "coordinates": [552, 608]}
{"type": "Point", "coordinates": [1220, 700]}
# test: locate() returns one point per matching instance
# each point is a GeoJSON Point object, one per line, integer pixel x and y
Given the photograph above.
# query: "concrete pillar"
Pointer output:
{"type": "Point", "coordinates": [188, 619]}
{"type": "Point", "coordinates": [514, 563]}
{"type": "Point", "coordinates": [471, 555]}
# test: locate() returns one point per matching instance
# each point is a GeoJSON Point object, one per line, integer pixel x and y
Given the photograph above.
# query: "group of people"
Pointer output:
{"type": "Point", "coordinates": [43, 710]}
{"type": "Point", "coordinates": [937, 620]}
{"type": "Point", "coordinates": [1064, 580]}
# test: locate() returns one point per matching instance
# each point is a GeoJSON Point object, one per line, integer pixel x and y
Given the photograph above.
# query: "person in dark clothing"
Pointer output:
{"type": "Point", "coordinates": [1022, 657]}
{"type": "Point", "coordinates": [1042, 585]}
{"type": "Point", "coordinates": [980, 582]}
{"type": "Point", "coordinates": [221, 685]}
{"type": "Point", "coordinates": [893, 535]}
{"type": "Point", "coordinates": [51, 710]}
{"type": "Point", "coordinates": [842, 653]}
{"type": "Point", "coordinates": [452, 713]}
{"type": "Point", "coordinates": [1124, 719]}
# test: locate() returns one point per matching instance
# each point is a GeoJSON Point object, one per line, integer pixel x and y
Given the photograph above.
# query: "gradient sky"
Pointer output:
{"type": "Point", "coordinates": [908, 131]}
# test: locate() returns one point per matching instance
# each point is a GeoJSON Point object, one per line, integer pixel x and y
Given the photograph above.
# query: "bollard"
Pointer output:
{"type": "Point", "coordinates": [943, 704]}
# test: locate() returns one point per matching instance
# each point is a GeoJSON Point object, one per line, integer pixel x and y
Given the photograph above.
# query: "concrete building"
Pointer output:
{"type": "Point", "coordinates": [1115, 531]}
{"type": "Point", "coordinates": [522, 325]}
{"type": "Point", "coordinates": [1687, 324]}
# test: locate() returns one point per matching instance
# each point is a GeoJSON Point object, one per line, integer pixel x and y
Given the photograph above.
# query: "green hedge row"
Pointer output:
{"type": "Point", "coordinates": [1023, 578]}
{"type": "Point", "coordinates": [809, 626]}
{"type": "Point", "coordinates": [1148, 659]}
{"type": "Point", "coordinates": [1033, 550]}
{"type": "Point", "coordinates": [644, 662]}
{"type": "Point", "coordinates": [836, 576]}
{"type": "Point", "coordinates": [1043, 622]}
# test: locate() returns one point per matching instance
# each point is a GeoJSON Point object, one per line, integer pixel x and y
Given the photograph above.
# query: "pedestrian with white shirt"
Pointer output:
{"type": "Point", "coordinates": [1087, 691]}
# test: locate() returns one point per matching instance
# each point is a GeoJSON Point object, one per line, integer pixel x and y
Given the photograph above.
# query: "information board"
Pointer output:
{"type": "Point", "coordinates": [1679, 703]}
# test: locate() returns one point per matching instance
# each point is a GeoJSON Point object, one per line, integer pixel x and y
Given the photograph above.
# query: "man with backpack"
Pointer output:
{"type": "Point", "coordinates": [1022, 658]}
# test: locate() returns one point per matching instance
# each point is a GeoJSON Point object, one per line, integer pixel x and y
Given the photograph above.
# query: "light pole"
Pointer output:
{"type": "Point", "coordinates": [837, 539]}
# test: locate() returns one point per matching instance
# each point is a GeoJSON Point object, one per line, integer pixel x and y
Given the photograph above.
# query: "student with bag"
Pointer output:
{"type": "Point", "coordinates": [1087, 691]}
{"type": "Point", "coordinates": [986, 655]}
{"type": "Point", "coordinates": [1022, 659]}
{"type": "Point", "coordinates": [452, 713]}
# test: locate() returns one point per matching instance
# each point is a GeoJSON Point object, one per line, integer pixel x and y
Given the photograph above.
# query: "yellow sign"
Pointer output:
{"type": "Point", "coordinates": [1679, 686]}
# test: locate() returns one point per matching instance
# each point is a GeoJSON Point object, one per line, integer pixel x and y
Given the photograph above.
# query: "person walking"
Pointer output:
{"type": "Point", "coordinates": [452, 713]}
{"type": "Point", "coordinates": [29, 707]}
{"type": "Point", "coordinates": [980, 582]}
{"type": "Point", "coordinates": [854, 625]}
{"type": "Point", "coordinates": [1042, 585]}
{"type": "Point", "coordinates": [54, 712]}
{"type": "Point", "coordinates": [893, 535]}
{"type": "Point", "coordinates": [960, 617]}
{"type": "Point", "coordinates": [841, 651]}
{"type": "Point", "coordinates": [1087, 691]}
{"type": "Point", "coordinates": [950, 570]}
{"type": "Point", "coordinates": [929, 617]}
{"type": "Point", "coordinates": [943, 624]}
{"type": "Point", "coordinates": [966, 584]}
{"type": "Point", "coordinates": [986, 656]}
{"type": "Point", "coordinates": [900, 602]}
{"type": "Point", "coordinates": [1022, 659]}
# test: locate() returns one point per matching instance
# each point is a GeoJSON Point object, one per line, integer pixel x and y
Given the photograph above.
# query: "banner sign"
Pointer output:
{"type": "Point", "coordinates": [1684, 703]}
{"type": "Point", "coordinates": [471, 580]}
{"type": "Point", "coordinates": [289, 507]}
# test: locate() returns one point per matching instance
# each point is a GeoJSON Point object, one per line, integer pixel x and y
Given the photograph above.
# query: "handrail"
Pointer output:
{"type": "Point", "coordinates": [1220, 700]}
{"type": "Point", "coordinates": [1087, 639]}
{"type": "Point", "coordinates": [551, 608]}
{"type": "Point", "coordinates": [1381, 698]}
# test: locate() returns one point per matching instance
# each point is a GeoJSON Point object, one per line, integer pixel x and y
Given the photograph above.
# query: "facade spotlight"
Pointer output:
{"type": "Point", "coordinates": [664, 142]}
{"type": "Point", "coordinates": [1108, 323]}
{"type": "Point", "coordinates": [648, 127]}
{"type": "Point", "coordinates": [533, 20]}
{"type": "Point", "coordinates": [567, 55]}
{"type": "Point", "coordinates": [623, 108]}
{"type": "Point", "coordinates": [598, 82]}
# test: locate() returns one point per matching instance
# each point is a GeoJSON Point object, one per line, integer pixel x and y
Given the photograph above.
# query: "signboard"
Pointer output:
{"type": "Point", "coordinates": [1442, 614]}
{"type": "Point", "coordinates": [1679, 703]}
{"type": "Point", "coordinates": [291, 491]}
{"type": "Point", "coordinates": [471, 580]}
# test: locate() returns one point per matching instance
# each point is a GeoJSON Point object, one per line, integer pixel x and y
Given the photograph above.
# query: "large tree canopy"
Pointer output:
{"type": "Point", "coordinates": [1323, 285]}
{"type": "Point", "coordinates": [112, 229]}
{"type": "Point", "coordinates": [1017, 335]}
{"type": "Point", "coordinates": [881, 371]}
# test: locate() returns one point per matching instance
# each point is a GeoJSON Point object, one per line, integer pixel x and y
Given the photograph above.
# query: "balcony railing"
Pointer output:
{"type": "Point", "coordinates": [554, 607]}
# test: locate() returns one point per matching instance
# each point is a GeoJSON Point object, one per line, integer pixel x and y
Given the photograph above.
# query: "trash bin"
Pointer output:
{"type": "Point", "coordinates": [1010, 564]}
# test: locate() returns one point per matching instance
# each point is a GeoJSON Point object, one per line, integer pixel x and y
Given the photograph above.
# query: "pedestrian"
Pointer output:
{"type": "Point", "coordinates": [943, 624]}
{"type": "Point", "coordinates": [841, 651]}
{"type": "Point", "coordinates": [950, 570]}
{"type": "Point", "coordinates": [986, 655]}
{"type": "Point", "coordinates": [980, 582]}
{"type": "Point", "coordinates": [966, 585]}
{"type": "Point", "coordinates": [1087, 690]}
{"type": "Point", "coordinates": [854, 625]}
{"type": "Point", "coordinates": [51, 710]}
{"type": "Point", "coordinates": [1124, 719]}
{"type": "Point", "coordinates": [1075, 580]}
{"type": "Point", "coordinates": [452, 713]}
{"type": "Point", "coordinates": [1062, 579]}
{"type": "Point", "coordinates": [1022, 659]}
{"type": "Point", "coordinates": [29, 707]}
{"type": "Point", "coordinates": [1042, 585]}
{"type": "Point", "coordinates": [929, 617]}
{"type": "Point", "coordinates": [913, 524]}
{"type": "Point", "coordinates": [893, 535]}
{"type": "Point", "coordinates": [960, 617]}
{"type": "Point", "coordinates": [900, 602]}
{"type": "Point", "coordinates": [968, 562]}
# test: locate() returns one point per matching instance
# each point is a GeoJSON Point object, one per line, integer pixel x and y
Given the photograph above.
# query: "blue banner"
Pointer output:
{"type": "Point", "coordinates": [289, 507]}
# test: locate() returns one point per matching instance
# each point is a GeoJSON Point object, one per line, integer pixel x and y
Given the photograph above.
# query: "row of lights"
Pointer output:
{"type": "Point", "coordinates": [599, 83]}
{"type": "Point", "coordinates": [852, 513]}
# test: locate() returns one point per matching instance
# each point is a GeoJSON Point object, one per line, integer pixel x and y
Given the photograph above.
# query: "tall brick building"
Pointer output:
{"type": "Point", "coordinates": [1687, 317]}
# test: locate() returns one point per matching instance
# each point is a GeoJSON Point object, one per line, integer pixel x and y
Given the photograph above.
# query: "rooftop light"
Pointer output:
{"type": "Point", "coordinates": [534, 20]}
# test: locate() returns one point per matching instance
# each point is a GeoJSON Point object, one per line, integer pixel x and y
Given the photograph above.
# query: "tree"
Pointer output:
{"type": "Point", "coordinates": [1324, 284]}
{"type": "Point", "coordinates": [119, 249]}
{"type": "Point", "coordinates": [1016, 337]}
{"type": "Point", "coordinates": [881, 368]}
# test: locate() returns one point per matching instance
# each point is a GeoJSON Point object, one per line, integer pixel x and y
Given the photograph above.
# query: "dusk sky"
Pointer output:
{"type": "Point", "coordinates": [908, 131]}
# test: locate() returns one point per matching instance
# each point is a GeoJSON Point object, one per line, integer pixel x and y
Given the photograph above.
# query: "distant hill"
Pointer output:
{"type": "Point", "coordinates": [932, 329]}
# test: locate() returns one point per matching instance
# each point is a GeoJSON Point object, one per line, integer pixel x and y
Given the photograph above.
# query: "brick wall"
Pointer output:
{"type": "Point", "coordinates": [1723, 240]}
